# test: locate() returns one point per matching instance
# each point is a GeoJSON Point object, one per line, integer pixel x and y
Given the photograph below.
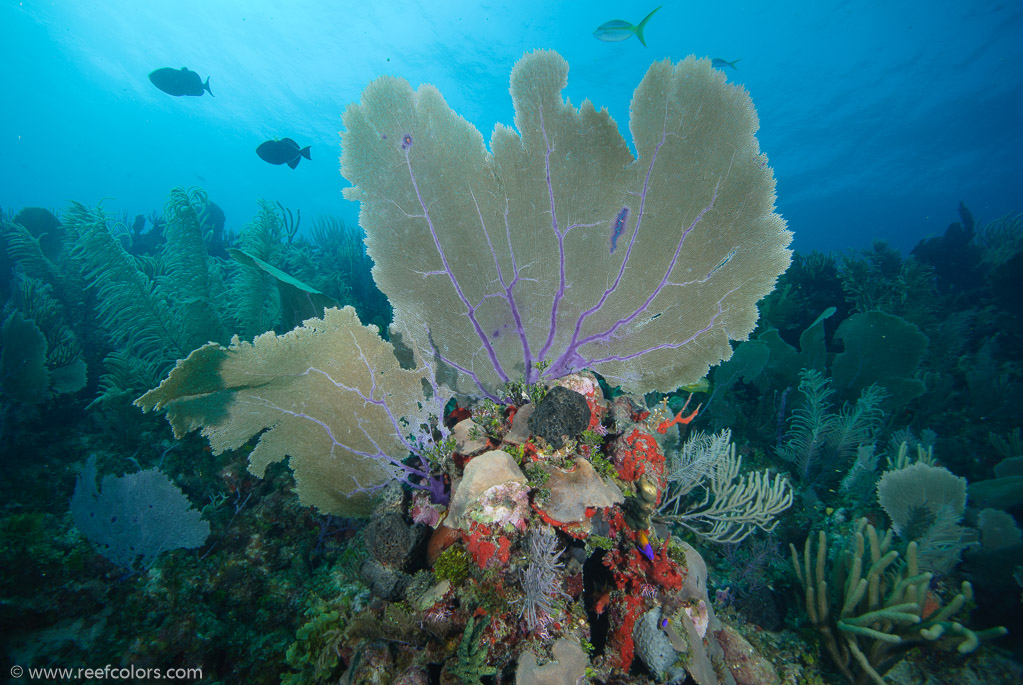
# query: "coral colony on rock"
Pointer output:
{"type": "Point", "coordinates": [495, 488]}
{"type": "Point", "coordinates": [505, 270]}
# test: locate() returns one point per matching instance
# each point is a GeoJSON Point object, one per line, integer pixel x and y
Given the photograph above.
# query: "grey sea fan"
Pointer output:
{"type": "Point", "coordinates": [920, 485]}
{"type": "Point", "coordinates": [541, 578]}
{"type": "Point", "coordinates": [137, 515]}
{"type": "Point", "coordinates": [568, 255]}
{"type": "Point", "coordinates": [925, 503]}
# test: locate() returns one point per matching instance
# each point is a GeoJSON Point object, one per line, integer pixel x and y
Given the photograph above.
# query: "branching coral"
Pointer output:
{"type": "Point", "coordinates": [733, 506]}
{"type": "Point", "coordinates": [877, 609]}
{"type": "Point", "coordinates": [131, 307]}
{"type": "Point", "coordinates": [880, 280]}
{"type": "Point", "coordinates": [257, 307]}
{"type": "Point", "coordinates": [821, 442]}
{"type": "Point", "coordinates": [343, 268]}
{"type": "Point", "coordinates": [187, 280]}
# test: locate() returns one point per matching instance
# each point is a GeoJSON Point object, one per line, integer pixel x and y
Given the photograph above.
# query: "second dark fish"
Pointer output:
{"type": "Point", "coordinates": [283, 151]}
{"type": "Point", "coordinates": [180, 82]}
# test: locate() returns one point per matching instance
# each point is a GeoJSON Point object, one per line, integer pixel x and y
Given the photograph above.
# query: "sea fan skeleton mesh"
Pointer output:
{"type": "Point", "coordinates": [557, 245]}
{"type": "Point", "coordinates": [135, 517]}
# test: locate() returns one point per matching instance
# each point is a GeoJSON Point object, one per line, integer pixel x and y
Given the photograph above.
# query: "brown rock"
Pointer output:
{"type": "Point", "coordinates": [746, 665]}
{"type": "Point", "coordinates": [464, 444]}
{"type": "Point", "coordinates": [519, 432]}
{"type": "Point", "coordinates": [573, 491]}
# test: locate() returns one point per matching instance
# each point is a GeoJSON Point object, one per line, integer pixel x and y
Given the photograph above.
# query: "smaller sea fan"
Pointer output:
{"type": "Point", "coordinates": [135, 517]}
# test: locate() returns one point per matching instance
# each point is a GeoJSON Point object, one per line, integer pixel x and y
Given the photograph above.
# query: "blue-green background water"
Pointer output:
{"type": "Point", "coordinates": [878, 117]}
{"type": "Point", "coordinates": [882, 121]}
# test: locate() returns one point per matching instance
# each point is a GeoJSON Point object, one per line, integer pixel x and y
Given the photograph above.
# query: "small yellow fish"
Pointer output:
{"type": "Point", "coordinates": [702, 385]}
{"type": "Point", "coordinates": [619, 29]}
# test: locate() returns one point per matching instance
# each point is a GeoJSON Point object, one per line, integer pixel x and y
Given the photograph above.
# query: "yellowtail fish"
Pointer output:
{"type": "Point", "coordinates": [644, 546]}
{"type": "Point", "coordinates": [619, 29]}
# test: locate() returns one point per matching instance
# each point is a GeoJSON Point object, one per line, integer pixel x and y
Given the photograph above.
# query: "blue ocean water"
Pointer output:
{"type": "Point", "coordinates": [878, 117]}
{"type": "Point", "coordinates": [189, 474]}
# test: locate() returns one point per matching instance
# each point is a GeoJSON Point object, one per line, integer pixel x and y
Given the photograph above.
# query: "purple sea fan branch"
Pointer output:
{"type": "Point", "coordinates": [484, 392]}
{"type": "Point", "coordinates": [570, 357]}
{"type": "Point", "coordinates": [367, 398]}
{"type": "Point", "coordinates": [470, 310]}
{"type": "Point", "coordinates": [666, 345]}
{"type": "Point", "coordinates": [398, 469]}
{"type": "Point", "coordinates": [560, 293]}
{"type": "Point", "coordinates": [508, 288]}
{"type": "Point", "coordinates": [608, 333]}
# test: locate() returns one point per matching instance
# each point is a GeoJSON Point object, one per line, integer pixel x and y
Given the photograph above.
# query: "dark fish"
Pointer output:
{"type": "Point", "coordinates": [719, 63]}
{"type": "Point", "coordinates": [283, 151]}
{"type": "Point", "coordinates": [619, 29]}
{"type": "Point", "coordinates": [180, 82]}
